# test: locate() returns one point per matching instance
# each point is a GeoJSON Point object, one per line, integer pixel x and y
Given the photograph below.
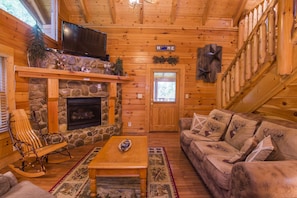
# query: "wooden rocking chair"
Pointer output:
{"type": "Point", "coordinates": [33, 150]}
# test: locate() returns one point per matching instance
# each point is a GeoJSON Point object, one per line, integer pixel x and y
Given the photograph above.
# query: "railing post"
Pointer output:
{"type": "Point", "coordinates": [219, 91]}
{"type": "Point", "coordinates": [285, 47]}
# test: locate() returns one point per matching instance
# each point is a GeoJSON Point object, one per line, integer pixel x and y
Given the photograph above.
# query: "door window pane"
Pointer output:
{"type": "Point", "coordinates": [164, 87]}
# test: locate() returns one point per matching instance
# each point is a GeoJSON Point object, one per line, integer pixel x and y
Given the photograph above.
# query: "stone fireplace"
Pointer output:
{"type": "Point", "coordinates": [68, 89]}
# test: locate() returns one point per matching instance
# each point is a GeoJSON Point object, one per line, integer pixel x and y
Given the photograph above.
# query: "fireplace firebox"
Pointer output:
{"type": "Point", "coordinates": [83, 112]}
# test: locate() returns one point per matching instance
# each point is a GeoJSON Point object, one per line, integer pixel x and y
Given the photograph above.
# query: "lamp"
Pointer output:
{"type": "Point", "coordinates": [133, 3]}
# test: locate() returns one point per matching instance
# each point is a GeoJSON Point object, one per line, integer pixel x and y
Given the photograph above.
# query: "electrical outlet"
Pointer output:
{"type": "Point", "coordinates": [129, 124]}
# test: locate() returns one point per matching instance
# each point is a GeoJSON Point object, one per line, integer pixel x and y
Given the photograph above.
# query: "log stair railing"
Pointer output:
{"type": "Point", "coordinates": [257, 53]}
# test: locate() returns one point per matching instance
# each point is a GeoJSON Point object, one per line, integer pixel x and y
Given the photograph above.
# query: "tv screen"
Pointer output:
{"type": "Point", "coordinates": [78, 40]}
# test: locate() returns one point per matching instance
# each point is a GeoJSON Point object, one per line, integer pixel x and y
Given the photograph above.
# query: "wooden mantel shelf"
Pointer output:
{"type": "Point", "coordinates": [34, 72]}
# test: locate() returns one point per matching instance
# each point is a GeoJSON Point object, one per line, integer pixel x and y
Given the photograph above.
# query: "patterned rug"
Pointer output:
{"type": "Point", "coordinates": [160, 182]}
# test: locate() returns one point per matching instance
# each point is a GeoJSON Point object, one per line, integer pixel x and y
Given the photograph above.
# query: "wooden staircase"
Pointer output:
{"type": "Point", "coordinates": [264, 67]}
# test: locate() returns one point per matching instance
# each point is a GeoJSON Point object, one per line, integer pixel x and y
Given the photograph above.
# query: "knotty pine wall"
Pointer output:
{"type": "Point", "coordinates": [136, 46]}
{"type": "Point", "coordinates": [15, 34]}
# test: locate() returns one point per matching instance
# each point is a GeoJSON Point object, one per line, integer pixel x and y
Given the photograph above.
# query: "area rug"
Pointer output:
{"type": "Point", "coordinates": [160, 182]}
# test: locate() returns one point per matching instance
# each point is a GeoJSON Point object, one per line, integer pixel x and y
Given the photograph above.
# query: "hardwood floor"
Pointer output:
{"type": "Point", "coordinates": [188, 183]}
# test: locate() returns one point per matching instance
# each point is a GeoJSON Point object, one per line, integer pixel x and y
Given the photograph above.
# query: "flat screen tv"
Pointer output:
{"type": "Point", "coordinates": [78, 40]}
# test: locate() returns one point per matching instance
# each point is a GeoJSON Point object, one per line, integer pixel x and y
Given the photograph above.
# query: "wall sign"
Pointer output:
{"type": "Point", "coordinates": [165, 48]}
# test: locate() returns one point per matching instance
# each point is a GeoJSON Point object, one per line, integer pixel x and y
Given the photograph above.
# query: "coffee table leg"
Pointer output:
{"type": "Point", "coordinates": [93, 186]}
{"type": "Point", "coordinates": [143, 176]}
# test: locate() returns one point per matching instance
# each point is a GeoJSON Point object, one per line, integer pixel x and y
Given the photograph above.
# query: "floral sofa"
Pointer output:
{"type": "Point", "coordinates": [242, 155]}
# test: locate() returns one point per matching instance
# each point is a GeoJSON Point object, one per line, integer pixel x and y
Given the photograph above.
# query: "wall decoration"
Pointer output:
{"type": "Point", "coordinates": [173, 60]}
{"type": "Point", "coordinates": [165, 48]}
{"type": "Point", "coordinates": [209, 62]}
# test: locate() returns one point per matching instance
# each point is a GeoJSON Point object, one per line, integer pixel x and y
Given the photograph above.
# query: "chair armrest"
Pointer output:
{"type": "Point", "coordinates": [185, 123]}
{"type": "Point", "coordinates": [272, 179]}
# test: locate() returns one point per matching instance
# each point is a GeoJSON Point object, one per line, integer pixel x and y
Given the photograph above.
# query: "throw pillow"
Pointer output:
{"type": "Point", "coordinates": [213, 129]}
{"type": "Point", "coordinates": [245, 150]}
{"type": "Point", "coordinates": [239, 130]}
{"type": "Point", "coordinates": [262, 151]}
{"type": "Point", "coordinates": [221, 115]}
{"type": "Point", "coordinates": [198, 122]}
{"type": "Point", "coordinates": [4, 185]}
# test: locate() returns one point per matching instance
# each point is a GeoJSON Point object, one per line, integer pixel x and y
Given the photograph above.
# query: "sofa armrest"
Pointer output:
{"type": "Point", "coordinates": [185, 123]}
{"type": "Point", "coordinates": [273, 179]}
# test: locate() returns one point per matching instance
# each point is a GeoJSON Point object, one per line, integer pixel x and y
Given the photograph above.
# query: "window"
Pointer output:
{"type": "Point", "coordinates": [164, 87]}
{"type": "Point", "coordinates": [44, 13]}
{"type": "Point", "coordinates": [3, 98]}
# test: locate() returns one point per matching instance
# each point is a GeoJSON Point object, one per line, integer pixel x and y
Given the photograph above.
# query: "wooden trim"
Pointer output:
{"type": "Point", "coordinates": [33, 72]}
{"type": "Point", "coordinates": [8, 54]}
{"type": "Point", "coordinates": [52, 105]}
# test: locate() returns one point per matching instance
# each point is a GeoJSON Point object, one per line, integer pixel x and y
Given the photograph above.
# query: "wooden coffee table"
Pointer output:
{"type": "Point", "coordinates": [111, 162]}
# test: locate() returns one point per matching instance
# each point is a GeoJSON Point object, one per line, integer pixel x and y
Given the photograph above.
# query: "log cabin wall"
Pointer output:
{"type": "Point", "coordinates": [15, 34]}
{"type": "Point", "coordinates": [136, 46]}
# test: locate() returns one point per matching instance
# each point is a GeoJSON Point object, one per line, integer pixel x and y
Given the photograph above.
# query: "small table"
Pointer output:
{"type": "Point", "coordinates": [111, 162]}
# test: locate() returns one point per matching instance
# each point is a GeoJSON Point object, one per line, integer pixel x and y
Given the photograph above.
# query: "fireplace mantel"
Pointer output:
{"type": "Point", "coordinates": [34, 72]}
{"type": "Point", "coordinates": [54, 75]}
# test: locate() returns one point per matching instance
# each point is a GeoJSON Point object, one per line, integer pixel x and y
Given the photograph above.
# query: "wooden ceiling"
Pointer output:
{"type": "Point", "coordinates": [161, 13]}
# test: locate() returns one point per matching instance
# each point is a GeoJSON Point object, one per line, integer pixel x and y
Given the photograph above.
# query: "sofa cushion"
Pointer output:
{"type": "Point", "coordinates": [27, 189]}
{"type": "Point", "coordinates": [203, 148]}
{"type": "Point", "coordinates": [188, 136]}
{"type": "Point", "coordinates": [213, 129]}
{"type": "Point", "coordinates": [11, 178]}
{"type": "Point", "coordinates": [4, 185]}
{"type": "Point", "coordinates": [221, 115]}
{"type": "Point", "coordinates": [284, 138]}
{"type": "Point", "coordinates": [198, 122]}
{"type": "Point", "coordinates": [239, 130]}
{"type": "Point", "coordinates": [245, 150]}
{"type": "Point", "coordinates": [262, 151]}
{"type": "Point", "coordinates": [218, 170]}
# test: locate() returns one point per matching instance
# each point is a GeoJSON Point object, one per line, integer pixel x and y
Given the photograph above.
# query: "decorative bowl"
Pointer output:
{"type": "Point", "coordinates": [125, 145]}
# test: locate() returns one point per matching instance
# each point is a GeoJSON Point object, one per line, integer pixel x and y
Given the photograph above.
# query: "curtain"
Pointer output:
{"type": "Point", "coordinates": [3, 98]}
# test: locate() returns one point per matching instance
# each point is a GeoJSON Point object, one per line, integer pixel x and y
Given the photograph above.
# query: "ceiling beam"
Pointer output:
{"type": "Point", "coordinates": [173, 11]}
{"type": "Point", "coordinates": [239, 12]}
{"type": "Point", "coordinates": [141, 11]}
{"type": "Point", "coordinates": [112, 11]}
{"type": "Point", "coordinates": [206, 11]}
{"type": "Point", "coordinates": [85, 11]}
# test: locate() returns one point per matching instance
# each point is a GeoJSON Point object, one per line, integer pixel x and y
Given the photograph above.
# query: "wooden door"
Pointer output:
{"type": "Point", "coordinates": [164, 106]}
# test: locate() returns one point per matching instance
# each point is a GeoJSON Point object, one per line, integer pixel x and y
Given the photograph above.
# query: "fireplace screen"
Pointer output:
{"type": "Point", "coordinates": [83, 112]}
